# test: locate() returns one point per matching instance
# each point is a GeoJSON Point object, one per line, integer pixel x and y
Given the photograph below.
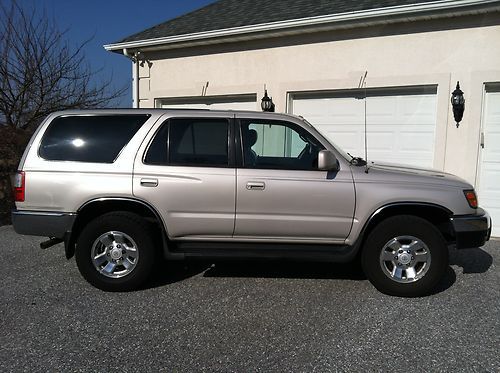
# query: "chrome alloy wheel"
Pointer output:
{"type": "Point", "coordinates": [114, 254]}
{"type": "Point", "coordinates": [405, 259]}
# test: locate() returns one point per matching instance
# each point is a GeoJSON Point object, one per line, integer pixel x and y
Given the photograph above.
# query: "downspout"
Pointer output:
{"type": "Point", "coordinates": [135, 76]}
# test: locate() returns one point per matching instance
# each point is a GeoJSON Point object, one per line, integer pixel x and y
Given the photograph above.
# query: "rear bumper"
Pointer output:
{"type": "Point", "coordinates": [42, 223]}
{"type": "Point", "coordinates": [472, 230]}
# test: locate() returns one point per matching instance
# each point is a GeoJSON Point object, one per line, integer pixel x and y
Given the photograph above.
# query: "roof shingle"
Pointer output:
{"type": "Point", "coordinates": [225, 14]}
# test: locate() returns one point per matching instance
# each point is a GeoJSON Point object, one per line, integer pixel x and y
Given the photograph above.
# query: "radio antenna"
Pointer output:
{"type": "Point", "coordinates": [362, 84]}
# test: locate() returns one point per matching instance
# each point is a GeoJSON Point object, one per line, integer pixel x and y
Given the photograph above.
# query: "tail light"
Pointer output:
{"type": "Point", "coordinates": [471, 197]}
{"type": "Point", "coordinates": [19, 186]}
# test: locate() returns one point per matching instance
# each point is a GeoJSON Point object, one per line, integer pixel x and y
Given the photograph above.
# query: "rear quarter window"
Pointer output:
{"type": "Point", "coordinates": [89, 138]}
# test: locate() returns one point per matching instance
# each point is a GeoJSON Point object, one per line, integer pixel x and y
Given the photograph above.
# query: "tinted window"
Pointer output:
{"type": "Point", "coordinates": [157, 152]}
{"type": "Point", "coordinates": [191, 142]}
{"type": "Point", "coordinates": [279, 145]}
{"type": "Point", "coordinates": [93, 138]}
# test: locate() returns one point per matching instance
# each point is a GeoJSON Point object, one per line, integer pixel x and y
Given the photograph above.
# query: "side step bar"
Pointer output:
{"type": "Point", "coordinates": [224, 250]}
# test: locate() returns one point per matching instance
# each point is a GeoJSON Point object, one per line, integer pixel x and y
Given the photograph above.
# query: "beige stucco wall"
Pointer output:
{"type": "Point", "coordinates": [467, 50]}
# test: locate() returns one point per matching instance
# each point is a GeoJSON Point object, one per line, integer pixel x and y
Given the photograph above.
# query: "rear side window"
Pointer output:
{"type": "Point", "coordinates": [191, 142]}
{"type": "Point", "coordinates": [89, 138]}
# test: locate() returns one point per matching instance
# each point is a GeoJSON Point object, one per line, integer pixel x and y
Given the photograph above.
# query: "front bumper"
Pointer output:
{"type": "Point", "coordinates": [472, 230]}
{"type": "Point", "coordinates": [42, 223]}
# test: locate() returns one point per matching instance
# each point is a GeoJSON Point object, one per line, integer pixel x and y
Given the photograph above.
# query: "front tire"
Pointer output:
{"type": "Point", "coordinates": [405, 256]}
{"type": "Point", "coordinates": [115, 252]}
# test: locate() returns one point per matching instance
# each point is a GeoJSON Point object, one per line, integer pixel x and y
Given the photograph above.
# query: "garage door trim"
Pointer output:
{"type": "Point", "coordinates": [360, 93]}
{"type": "Point", "coordinates": [207, 100]}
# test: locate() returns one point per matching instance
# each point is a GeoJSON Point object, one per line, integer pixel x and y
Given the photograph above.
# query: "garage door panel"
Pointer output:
{"type": "Point", "coordinates": [381, 140]}
{"type": "Point", "coordinates": [347, 138]}
{"type": "Point", "coordinates": [418, 120]}
{"type": "Point", "coordinates": [397, 119]}
{"type": "Point", "coordinates": [334, 120]}
{"type": "Point", "coordinates": [491, 152]}
{"type": "Point", "coordinates": [398, 128]}
{"type": "Point", "coordinates": [418, 141]}
{"type": "Point", "coordinates": [415, 154]}
{"type": "Point", "coordinates": [337, 121]}
{"type": "Point", "coordinates": [347, 107]}
{"type": "Point", "coordinates": [489, 177]}
{"type": "Point", "coordinates": [418, 112]}
{"type": "Point", "coordinates": [401, 128]}
{"type": "Point", "coordinates": [324, 111]}
{"type": "Point", "coordinates": [382, 106]}
{"type": "Point", "coordinates": [425, 105]}
{"type": "Point", "coordinates": [350, 141]}
{"type": "Point", "coordinates": [493, 103]}
{"type": "Point", "coordinates": [341, 107]}
{"type": "Point", "coordinates": [379, 120]}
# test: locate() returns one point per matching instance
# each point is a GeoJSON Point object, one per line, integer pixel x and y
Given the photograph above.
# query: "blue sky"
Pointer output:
{"type": "Point", "coordinates": [110, 21]}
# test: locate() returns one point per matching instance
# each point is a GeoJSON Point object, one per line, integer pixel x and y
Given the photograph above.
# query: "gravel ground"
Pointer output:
{"type": "Point", "coordinates": [243, 317]}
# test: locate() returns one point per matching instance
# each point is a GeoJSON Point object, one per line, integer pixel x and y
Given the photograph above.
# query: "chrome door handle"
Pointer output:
{"type": "Point", "coordinates": [149, 182]}
{"type": "Point", "coordinates": [253, 185]}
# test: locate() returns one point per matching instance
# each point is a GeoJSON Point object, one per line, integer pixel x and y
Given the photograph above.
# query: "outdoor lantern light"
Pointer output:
{"type": "Point", "coordinates": [458, 103]}
{"type": "Point", "coordinates": [267, 102]}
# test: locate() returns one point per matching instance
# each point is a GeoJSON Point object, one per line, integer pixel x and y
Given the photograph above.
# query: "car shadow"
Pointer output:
{"type": "Point", "coordinates": [167, 273]}
{"type": "Point", "coordinates": [286, 269]}
{"type": "Point", "coordinates": [449, 278]}
{"type": "Point", "coordinates": [471, 261]}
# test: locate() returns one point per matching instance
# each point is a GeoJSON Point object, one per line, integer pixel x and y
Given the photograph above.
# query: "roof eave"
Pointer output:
{"type": "Point", "coordinates": [340, 20]}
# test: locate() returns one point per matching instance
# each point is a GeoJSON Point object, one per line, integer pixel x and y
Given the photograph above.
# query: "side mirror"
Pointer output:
{"type": "Point", "coordinates": [327, 161]}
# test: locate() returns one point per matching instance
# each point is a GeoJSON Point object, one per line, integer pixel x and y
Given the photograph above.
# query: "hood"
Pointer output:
{"type": "Point", "coordinates": [413, 174]}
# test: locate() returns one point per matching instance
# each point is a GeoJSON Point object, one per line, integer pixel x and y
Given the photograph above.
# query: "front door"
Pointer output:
{"type": "Point", "coordinates": [187, 174]}
{"type": "Point", "coordinates": [281, 194]}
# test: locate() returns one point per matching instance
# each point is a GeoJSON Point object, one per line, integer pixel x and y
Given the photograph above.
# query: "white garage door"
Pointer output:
{"type": "Point", "coordinates": [243, 102]}
{"type": "Point", "coordinates": [401, 127]}
{"type": "Point", "coordinates": [489, 177]}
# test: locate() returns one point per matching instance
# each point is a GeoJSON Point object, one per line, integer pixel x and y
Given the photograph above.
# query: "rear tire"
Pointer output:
{"type": "Point", "coordinates": [115, 252]}
{"type": "Point", "coordinates": [405, 256]}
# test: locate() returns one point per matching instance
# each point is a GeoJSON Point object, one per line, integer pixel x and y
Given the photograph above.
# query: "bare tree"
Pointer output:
{"type": "Point", "coordinates": [40, 72]}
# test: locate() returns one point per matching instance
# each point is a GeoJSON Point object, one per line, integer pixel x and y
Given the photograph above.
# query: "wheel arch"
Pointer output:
{"type": "Point", "coordinates": [100, 206]}
{"type": "Point", "coordinates": [437, 215]}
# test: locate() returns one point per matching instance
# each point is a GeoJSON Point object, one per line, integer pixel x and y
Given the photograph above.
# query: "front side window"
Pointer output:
{"type": "Point", "coordinates": [191, 142]}
{"type": "Point", "coordinates": [89, 138]}
{"type": "Point", "coordinates": [278, 145]}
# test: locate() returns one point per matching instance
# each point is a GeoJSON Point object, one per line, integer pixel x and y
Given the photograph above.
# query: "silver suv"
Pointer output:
{"type": "Point", "coordinates": [120, 186]}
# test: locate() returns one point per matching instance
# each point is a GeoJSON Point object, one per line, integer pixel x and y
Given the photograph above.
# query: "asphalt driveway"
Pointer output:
{"type": "Point", "coordinates": [243, 317]}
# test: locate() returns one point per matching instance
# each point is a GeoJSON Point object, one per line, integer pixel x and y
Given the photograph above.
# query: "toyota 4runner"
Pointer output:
{"type": "Point", "coordinates": [119, 186]}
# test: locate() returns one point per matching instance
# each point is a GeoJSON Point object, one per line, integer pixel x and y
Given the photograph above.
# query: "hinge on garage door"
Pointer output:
{"type": "Point", "coordinates": [482, 140]}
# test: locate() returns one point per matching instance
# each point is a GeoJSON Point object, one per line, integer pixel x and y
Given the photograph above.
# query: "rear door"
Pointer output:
{"type": "Point", "coordinates": [185, 169]}
{"type": "Point", "coordinates": [281, 194]}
